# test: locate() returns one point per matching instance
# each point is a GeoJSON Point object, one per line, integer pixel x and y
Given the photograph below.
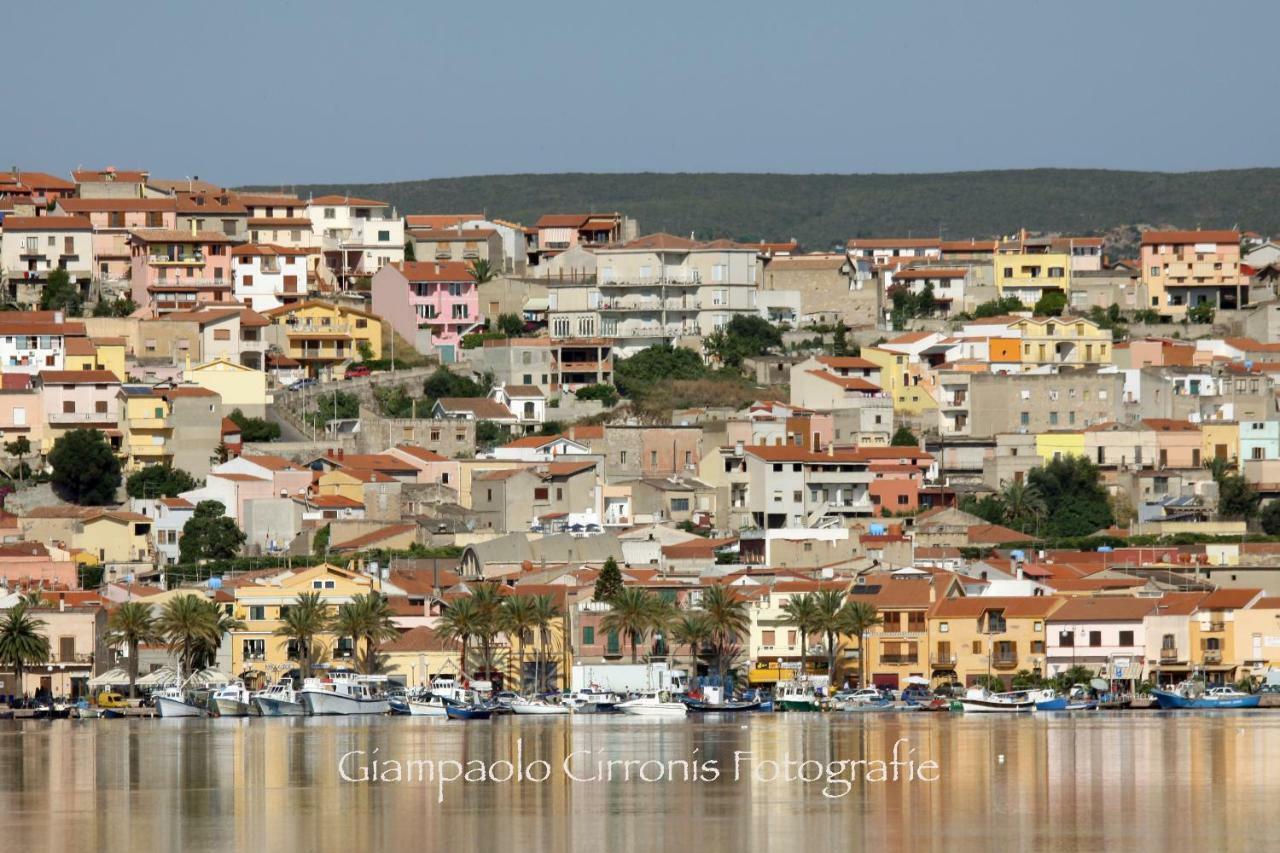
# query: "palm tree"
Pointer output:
{"type": "Point", "coordinates": [22, 642]}
{"type": "Point", "coordinates": [482, 271]}
{"type": "Point", "coordinates": [129, 625]}
{"type": "Point", "coordinates": [460, 621]}
{"type": "Point", "coordinates": [630, 615]}
{"type": "Point", "coordinates": [187, 626]}
{"type": "Point", "coordinates": [1023, 503]}
{"type": "Point", "coordinates": [691, 629]}
{"type": "Point", "coordinates": [517, 619]}
{"type": "Point", "coordinates": [366, 618]}
{"type": "Point", "coordinates": [546, 620]}
{"type": "Point", "coordinates": [223, 624]}
{"type": "Point", "coordinates": [827, 605]}
{"type": "Point", "coordinates": [488, 601]}
{"type": "Point", "coordinates": [857, 618]}
{"type": "Point", "coordinates": [31, 599]}
{"type": "Point", "coordinates": [661, 617]}
{"type": "Point", "coordinates": [727, 619]}
{"type": "Point", "coordinates": [801, 612]}
{"type": "Point", "coordinates": [302, 622]}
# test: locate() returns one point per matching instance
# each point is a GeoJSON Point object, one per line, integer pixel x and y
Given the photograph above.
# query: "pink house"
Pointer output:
{"type": "Point", "coordinates": [439, 298]}
{"type": "Point", "coordinates": [113, 219]}
{"type": "Point", "coordinates": [21, 410]}
{"type": "Point", "coordinates": [78, 399]}
{"type": "Point", "coordinates": [175, 270]}
{"type": "Point", "coordinates": [432, 467]}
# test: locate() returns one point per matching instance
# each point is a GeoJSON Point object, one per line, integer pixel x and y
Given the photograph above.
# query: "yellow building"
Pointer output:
{"type": "Point", "coordinates": [240, 387]}
{"type": "Point", "coordinates": [322, 335]}
{"type": "Point", "coordinates": [1027, 269]}
{"type": "Point", "coordinates": [1213, 634]}
{"type": "Point", "coordinates": [349, 482]}
{"type": "Point", "coordinates": [96, 354]}
{"type": "Point", "coordinates": [903, 381]}
{"type": "Point", "coordinates": [1000, 635]}
{"type": "Point", "coordinates": [898, 648]}
{"type": "Point", "coordinates": [115, 537]}
{"type": "Point", "coordinates": [1062, 340]}
{"type": "Point", "coordinates": [1059, 445]}
{"type": "Point", "coordinates": [1257, 635]}
{"type": "Point", "coordinates": [259, 604]}
{"type": "Point", "coordinates": [1220, 440]}
{"type": "Point", "coordinates": [419, 655]}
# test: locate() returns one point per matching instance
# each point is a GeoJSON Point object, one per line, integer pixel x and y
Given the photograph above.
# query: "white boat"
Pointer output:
{"type": "Point", "coordinates": [539, 707]}
{"type": "Point", "coordinates": [653, 703]}
{"type": "Point", "coordinates": [345, 694]}
{"type": "Point", "coordinates": [174, 702]}
{"type": "Point", "coordinates": [278, 700]}
{"type": "Point", "coordinates": [981, 700]}
{"type": "Point", "coordinates": [797, 695]}
{"type": "Point", "coordinates": [231, 700]}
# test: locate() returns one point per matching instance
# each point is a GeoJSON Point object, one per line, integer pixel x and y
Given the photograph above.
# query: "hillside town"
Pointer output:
{"type": "Point", "coordinates": [257, 435]}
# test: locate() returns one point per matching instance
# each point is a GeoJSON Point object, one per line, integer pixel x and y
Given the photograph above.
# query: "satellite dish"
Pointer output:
{"type": "Point", "coordinates": [1098, 684]}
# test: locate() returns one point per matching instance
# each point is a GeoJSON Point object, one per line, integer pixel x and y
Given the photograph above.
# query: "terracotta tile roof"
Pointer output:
{"type": "Point", "coordinates": [1169, 425]}
{"type": "Point", "coordinates": [482, 407]}
{"type": "Point", "coordinates": [16, 381]}
{"type": "Point", "coordinates": [269, 249]}
{"type": "Point", "coordinates": [562, 220]}
{"type": "Point", "coordinates": [696, 548]}
{"type": "Point", "coordinates": [177, 235]}
{"type": "Point", "coordinates": [334, 502]}
{"type": "Point", "coordinates": [1152, 238]}
{"type": "Point", "coordinates": [566, 469]}
{"type": "Point", "coordinates": [177, 503]}
{"type": "Point", "coordinates": [429, 221]}
{"type": "Point", "coordinates": [435, 270]}
{"type": "Point", "coordinates": [662, 241]}
{"type": "Point", "coordinates": [79, 377]}
{"type": "Point", "coordinates": [884, 591]}
{"type": "Point", "coordinates": [373, 537]}
{"type": "Point", "coordinates": [421, 453]}
{"type": "Point", "coordinates": [1266, 603]}
{"type": "Point", "coordinates": [108, 175]}
{"type": "Point", "coordinates": [1027, 606]}
{"type": "Point", "coordinates": [522, 391]}
{"type": "Point", "coordinates": [1104, 608]}
{"type": "Point", "coordinates": [121, 205]}
{"type": "Point", "coordinates": [419, 639]}
{"type": "Point", "coordinates": [498, 474]}
{"type": "Point", "coordinates": [1229, 599]}
{"type": "Point", "coordinates": [849, 383]}
{"type": "Point", "coordinates": [894, 243]}
{"type": "Point", "coordinates": [909, 338]}
{"type": "Point", "coordinates": [47, 223]}
{"type": "Point", "coordinates": [345, 200]}
{"type": "Point", "coordinates": [1178, 603]}
{"type": "Point", "coordinates": [79, 346]}
{"type": "Point", "coordinates": [995, 534]}
{"type": "Point", "coordinates": [239, 478]}
{"type": "Point", "coordinates": [532, 441]}
{"type": "Point", "coordinates": [847, 362]}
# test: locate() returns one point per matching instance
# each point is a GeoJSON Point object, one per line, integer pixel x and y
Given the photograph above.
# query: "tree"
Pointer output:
{"type": "Point", "coordinates": [367, 619]}
{"type": "Point", "coordinates": [604, 392]}
{"type": "Point", "coordinates": [209, 534]}
{"type": "Point", "coordinates": [745, 336]}
{"type": "Point", "coordinates": [511, 325]}
{"type": "Point", "coordinates": [518, 620]}
{"type": "Point", "coordinates": [410, 253]}
{"type": "Point", "coordinates": [1080, 504]}
{"type": "Point", "coordinates": [1023, 505]}
{"type": "Point", "coordinates": [1051, 304]}
{"type": "Point", "coordinates": [122, 307]}
{"type": "Point", "coordinates": [488, 603]}
{"type": "Point", "coordinates": [445, 383]}
{"type": "Point", "coordinates": [20, 447]}
{"type": "Point", "coordinates": [460, 622]}
{"type": "Point", "coordinates": [609, 581]}
{"type": "Point", "coordinates": [631, 615]}
{"type": "Point", "coordinates": [488, 434]}
{"type": "Point", "coordinates": [1025, 679]}
{"type": "Point", "coordinates": [547, 619]}
{"type": "Point", "coordinates": [336, 405]}
{"type": "Point", "coordinates": [840, 339]}
{"type": "Point", "coordinates": [728, 620]}
{"type": "Point", "coordinates": [1271, 518]}
{"type": "Point", "coordinates": [320, 542]}
{"type": "Point", "coordinates": [22, 641]}
{"type": "Point", "coordinates": [656, 364]}
{"type": "Point", "coordinates": [801, 612]}
{"type": "Point", "coordinates": [60, 294]}
{"type": "Point", "coordinates": [187, 625]}
{"type": "Point", "coordinates": [254, 429]}
{"type": "Point", "coordinates": [206, 651]}
{"type": "Point", "coordinates": [998, 307]}
{"type": "Point", "coordinates": [903, 437]}
{"type": "Point", "coordinates": [158, 481]}
{"type": "Point", "coordinates": [130, 625]}
{"type": "Point", "coordinates": [827, 604]}
{"type": "Point", "coordinates": [1201, 313]}
{"type": "Point", "coordinates": [85, 469]}
{"type": "Point", "coordinates": [302, 622]}
{"type": "Point", "coordinates": [1073, 675]}
{"type": "Point", "coordinates": [1236, 498]}
{"type": "Point", "coordinates": [482, 271]}
{"type": "Point", "coordinates": [691, 628]}
{"type": "Point", "coordinates": [857, 618]}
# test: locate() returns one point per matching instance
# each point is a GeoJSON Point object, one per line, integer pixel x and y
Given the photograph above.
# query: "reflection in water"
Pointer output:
{"type": "Point", "coordinates": [1140, 781]}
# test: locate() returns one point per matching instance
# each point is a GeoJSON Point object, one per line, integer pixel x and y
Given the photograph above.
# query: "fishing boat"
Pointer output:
{"type": "Point", "coordinates": [981, 700]}
{"type": "Point", "coordinates": [733, 706]}
{"type": "Point", "coordinates": [231, 700]}
{"type": "Point", "coordinates": [653, 703]}
{"type": "Point", "coordinates": [84, 711]}
{"type": "Point", "coordinates": [592, 700]}
{"type": "Point", "coordinates": [1077, 699]}
{"type": "Point", "coordinates": [797, 696]}
{"type": "Point", "coordinates": [419, 705]}
{"type": "Point", "coordinates": [539, 708]}
{"type": "Point", "coordinates": [111, 713]}
{"type": "Point", "coordinates": [172, 702]}
{"type": "Point", "coordinates": [344, 694]}
{"type": "Point", "coordinates": [278, 700]}
{"type": "Point", "coordinates": [1191, 694]}
{"type": "Point", "coordinates": [467, 712]}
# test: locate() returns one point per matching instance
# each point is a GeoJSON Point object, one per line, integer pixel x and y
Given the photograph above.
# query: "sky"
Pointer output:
{"type": "Point", "coordinates": [282, 92]}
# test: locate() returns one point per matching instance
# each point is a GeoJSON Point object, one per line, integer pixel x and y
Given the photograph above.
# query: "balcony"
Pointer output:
{"type": "Point", "coordinates": [1212, 655]}
{"type": "Point", "coordinates": [1004, 661]}
{"type": "Point", "coordinates": [899, 660]}
{"type": "Point", "coordinates": [77, 657]}
{"type": "Point", "coordinates": [80, 417]}
{"type": "Point", "coordinates": [175, 260]}
{"type": "Point", "coordinates": [1213, 627]}
{"type": "Point", "coordinates": [942, 659]}
{"type": "Point", "coordinates": [1169, 654]}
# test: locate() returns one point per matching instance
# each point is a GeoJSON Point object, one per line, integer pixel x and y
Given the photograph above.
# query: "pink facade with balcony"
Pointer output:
{"type": "Point", "coordinates": [114, 219]}
{"type": "Point", "coordinates": [439, 299]}
{"type": "Point", "coordinates": [175, 270]}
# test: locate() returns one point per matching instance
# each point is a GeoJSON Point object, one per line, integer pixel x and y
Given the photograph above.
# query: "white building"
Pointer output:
{"type": "Point", "coordinates": [358, 236]}
{"type": "Point", "coordinates": [269, 276]}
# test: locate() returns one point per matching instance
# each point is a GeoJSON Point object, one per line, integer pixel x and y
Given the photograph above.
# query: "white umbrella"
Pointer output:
{"type": "Point", "coordinates": [162, 677]}
{"type": "Point", "coordinates": [110, 678]}
{"type": "Point", "coordinates": [210, 678]}
{"type": "Point", "coordinates": [918, 679]}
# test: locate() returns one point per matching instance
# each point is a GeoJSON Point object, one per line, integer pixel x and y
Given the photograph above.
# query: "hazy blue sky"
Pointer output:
{"type": "Point", "coordinates": [290, 92]}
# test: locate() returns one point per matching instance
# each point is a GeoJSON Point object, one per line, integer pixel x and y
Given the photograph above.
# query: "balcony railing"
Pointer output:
{"type": "Point", "coordinates": [1004, 661]}
{"type": "Point", "coordinates": [80, 417]}
{"type": "Point", "coordinates": [1215, 626]}
{"type": "Point", "coordinates": [899, 659]}
{"type": "Point", "coordinates": [942, 659]}
{"type": "Point", "coordinates": [1169, 654]}
{"type": "Point", "coordinates": [1213, 656]}
{"type": "Point", "coordinates": [76, 657]}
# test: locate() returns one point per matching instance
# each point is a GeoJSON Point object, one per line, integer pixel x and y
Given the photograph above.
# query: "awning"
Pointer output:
{"type": "Point", "coordinates": [767, 676]}
{"type": "Point", "coordinates": [537, 303]}
{"type": "Point", "coordinates": [110, 678]}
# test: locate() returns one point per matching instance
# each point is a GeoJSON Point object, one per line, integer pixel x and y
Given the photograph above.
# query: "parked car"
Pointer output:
{"type": "Point", "coordinates": [916, 693]}
{"type": "Point", "coordinates": [1269, 688]}
{"type": "Point", "coordinates": [302, 383]}
{"type": "Point", "coordinates": [355, 371]}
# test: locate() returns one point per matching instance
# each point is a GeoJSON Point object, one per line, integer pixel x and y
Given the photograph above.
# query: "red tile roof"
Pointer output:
{"type": "Point", "coordinates": [1151, 238]}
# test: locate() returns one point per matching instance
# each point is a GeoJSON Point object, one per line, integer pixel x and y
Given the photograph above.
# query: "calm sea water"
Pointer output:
{"type": "Point", "coordinates": [1141, 781]}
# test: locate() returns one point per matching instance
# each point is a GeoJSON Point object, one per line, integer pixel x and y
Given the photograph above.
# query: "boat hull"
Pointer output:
{"type": "Point", "coordinates": [324, 704]}
{"type": "Point", "coordinates": [724, 708]}
{"type": "Point", "coordinates": [986, 706]}
{"type": "Point", "coordinates": [798, 705]}
{"type": "Point", "coordinates": [172, 708]}
{"type": "Point", "coordinates": [669, 709]}
{"type": "Point", "coordinates": [269, 707]}
{"type": "Point", "coordinates": [230, 708]}
{"type": "Point", "coordinates": [414, 708]}
{"type": "Point", "coordinates": [1170, 701]}
{"type": "Point", "coordinates": [467, 713]}
{"type": "Point", "coordinates": [112, 713]}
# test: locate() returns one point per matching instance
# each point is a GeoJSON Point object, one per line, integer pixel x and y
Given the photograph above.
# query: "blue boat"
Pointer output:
{"type": "Point", "coordinates": [1185, 697]}
{"type": "Point", "coordinates": [730, 707]}
{"type": "Point", "coordinates": [467, 712]}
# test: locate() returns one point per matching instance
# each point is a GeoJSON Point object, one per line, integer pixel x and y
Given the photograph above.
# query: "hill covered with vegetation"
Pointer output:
{"type": "Point", "coordinates": [823, 210]}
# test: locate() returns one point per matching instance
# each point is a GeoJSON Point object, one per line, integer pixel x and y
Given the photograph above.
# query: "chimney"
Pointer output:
{"type": "Point", "coordinates": [329, 452]}
{"type": "Point", "coordinates": [57, 316]}
{"type": "Point", "coordinates": [341, 452]}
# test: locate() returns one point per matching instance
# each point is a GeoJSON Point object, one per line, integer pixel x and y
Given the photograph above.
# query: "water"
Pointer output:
{"type": "Point", "coordinates": [1141, 781]}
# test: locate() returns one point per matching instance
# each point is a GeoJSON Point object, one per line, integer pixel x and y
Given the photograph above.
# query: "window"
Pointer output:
{"type": "Point", "coordinates": [541, 493]}
{"type": "Point", "coordinates": [622, 457]}
{"type": "Point", "coordinates": [254, 649]}
{"type": "Point", "coordinates": [1066, 639]}
{"type": "Point", "coordinates": [679, 504]}
{"type": "Point", "coordinates": [257, 613]}
{"type": "Point", "coordinates": [653, 458]}
{"type": "Point", "coordinates": [588, 635]}
{"type": "Point", "coordinates": [1095, 639]}
{"type": "Point", "coordinates": [69, 407]}
{"type": "Point", "coordinates": [328, 213]}
{"type": "Point", "coordinates": [944, 627]}
{"type": "Point", "coordinates": [384, 236]}
{"type": "Point", "coordinates": [222, 334]}
{"type": "Point", "coordinates": [1024, 418]}
{"type": "Point", "coordinates": [1126, 638]}
{"type": "Point", "coordinates": [767, 638]}
{"type": "Point", "coordinates": [976, 647]}
{"type": "Point", "coordinates": [797, 496]}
